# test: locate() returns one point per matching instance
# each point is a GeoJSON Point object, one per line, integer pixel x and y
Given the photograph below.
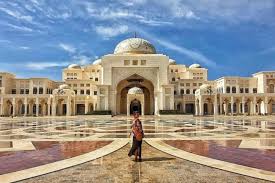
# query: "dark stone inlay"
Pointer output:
{"type": "Point", "coordinates": [229, 151]}
{"type": "Point", "coordinates": [46, 152]}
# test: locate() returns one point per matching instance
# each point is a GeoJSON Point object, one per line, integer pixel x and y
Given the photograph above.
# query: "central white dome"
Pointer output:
{"type": "Point", "coordinates": [135, 90]}
{"type": "Point", "coordinates": [135, 46]}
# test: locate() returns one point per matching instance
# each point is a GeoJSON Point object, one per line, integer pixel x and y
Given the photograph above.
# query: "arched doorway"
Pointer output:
{"type": "Point", "coordinates": [135, 106]}
{"type": "Point", "coordinates": [130, 82]}
{"type": "Point", "coordinates": [80, 109]}
{"type": "Point", "coordinates": [205, 108]}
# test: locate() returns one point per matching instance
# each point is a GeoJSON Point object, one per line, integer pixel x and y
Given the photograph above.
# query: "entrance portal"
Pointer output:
{"type": "Point", "coordinates": [122, 90]}
{"type": "Point", "coordinates": [135, 106]}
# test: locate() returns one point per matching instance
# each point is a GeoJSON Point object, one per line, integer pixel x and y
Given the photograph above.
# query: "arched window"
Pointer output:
{"type": "Point", "coordinates": [187, 91]}
{"type": "Point", "coordinates": [271, 88]}
{"type": "Point", "coordinates": [234, 89]}
{"type": "Point", "coordinates": [173, 79]}
{"type": "Point", "coordinates": [228, 89]}
{"type": "Point", "coordinates": [182, 91]}
{"type": "Point", "coordinates": [194, 91]}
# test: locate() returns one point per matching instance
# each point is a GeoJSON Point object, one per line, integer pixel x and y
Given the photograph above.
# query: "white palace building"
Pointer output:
{"type": "Point", "coordinates": [137, 78]}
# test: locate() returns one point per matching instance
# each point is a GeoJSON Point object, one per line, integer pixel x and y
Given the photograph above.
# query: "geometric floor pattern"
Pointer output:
{"type": "Point", "coordinates": [32, 142]}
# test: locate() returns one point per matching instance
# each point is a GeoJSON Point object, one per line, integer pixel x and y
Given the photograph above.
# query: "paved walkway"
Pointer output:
{"type": "Point", "coordinates": [156, 167]}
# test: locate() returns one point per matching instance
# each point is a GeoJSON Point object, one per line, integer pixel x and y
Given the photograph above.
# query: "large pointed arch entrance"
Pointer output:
{"type": "Point", "coordinates": [135, 81]}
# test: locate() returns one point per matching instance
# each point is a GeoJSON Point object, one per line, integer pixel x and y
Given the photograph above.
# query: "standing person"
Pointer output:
{"type": "Point", "coordinates": [138, 135]}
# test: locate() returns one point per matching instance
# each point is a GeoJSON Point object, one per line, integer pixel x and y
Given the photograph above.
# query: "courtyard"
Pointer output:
{"type": "Point", "coordinates": [179, 148]}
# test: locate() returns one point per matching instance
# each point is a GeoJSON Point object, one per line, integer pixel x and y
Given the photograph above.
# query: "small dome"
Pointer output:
{"type": "Point", "coordinates": [135, 46]}
{"type": "Point", "coordinates": [64, 86]}
{"type": "Point", "coordinates": [195, 66]}
{"type": "Point", "coordinates": [172, 62]}
{"type": "Point", "coordinates": [135, 90]}
{"type": "Point", "coordinates": [97, 62]}
{"type": "Point", "coordinates": [74, 66]}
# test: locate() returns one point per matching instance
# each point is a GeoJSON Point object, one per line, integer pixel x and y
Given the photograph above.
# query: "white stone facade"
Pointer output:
{"type": "Point", "coordinates": [104, 86]}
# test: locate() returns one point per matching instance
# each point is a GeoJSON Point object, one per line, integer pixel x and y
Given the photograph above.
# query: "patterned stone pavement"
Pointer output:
{"type": "Point", "coordinates": [156, 167]}
{"type": "Point", "coordinates": [243, 145]}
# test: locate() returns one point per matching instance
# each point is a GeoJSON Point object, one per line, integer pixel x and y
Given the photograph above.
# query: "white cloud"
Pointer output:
{"type": "Point", "coordinates": [67, 47]}
{"type": "Point", "coordinates": [17, 14]}
{"type": "Point", "coordinates": [24, 48]}
{"type": "Point", "coordinates": [196, 56]}
{"type": "Point", "coordinates": [112, 31]}
{"type": "Point", "coordinates": [45, 65]}
{"type": "Point", "coordinates": [81, 59]}
{"type": "Point", "coordinates": [20, 28]}
{"type": "Point", "coordinates": [5, 41]}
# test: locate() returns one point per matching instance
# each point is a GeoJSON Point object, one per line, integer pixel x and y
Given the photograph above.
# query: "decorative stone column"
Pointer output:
{"type": "Point", "coordinates": [13, 107]}
{"type": "Point", "coordinates": [25, 106]}
{"type": "Point", "coordinates": [142, 108]}
{"type": "Point", "coordinates": [87, 106]}
{"type": "Point", "coordinates": [226, 108]}
{"type": "Point", "coordinates": [68, 105]}
{"type": "Point", "coordinates": [156, 112]}
{"type": "Point", "coordinates": [201, 106]}
{"type": "Point", "coordinates": [232, 105]}
{"type": "Point", "coordinates": [197, 108]}
{"type": "Point", "coordinates": [216, 105]}
{"type": "Point", "coordinates": [2, 106]}
{"type": "Point", "coordinates": [53, 107]}
{"type": "Point", "coordinates": [37, 107]}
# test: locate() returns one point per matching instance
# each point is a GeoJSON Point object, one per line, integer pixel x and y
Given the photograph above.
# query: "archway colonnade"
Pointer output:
{"type": "Point", "coordinates": [44, 106]}
{"type": "Point", "coordinates": [234, 105]}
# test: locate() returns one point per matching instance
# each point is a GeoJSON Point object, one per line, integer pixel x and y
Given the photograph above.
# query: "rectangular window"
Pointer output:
{"type": "Point", "coordinates": [135, 62]}
{"type": "Point", "coordinates": [13, 91]}
{"type": "Point", "coordinates": [187, 84]}
{"type": "Point", "coordinates": [96, 79]}
{"type": "Point", "coordinates": [126, 62]}
{"type": "Point", "coordinates": [34, 90]}
{"type": "Point", "coordinates": [143, 62]}
{"type": "Point", "coordinates": [254, 90]}
{"type": "Point", "coordinates": [246, 90]}
{"type": "Point", "coordinates": [87, 85]}
{"type": "Point", "coordinates": [95, 92]}
{"type": "Point", "coordinates": [81, 85]}
{"type": "Point", "coordinates": [81, 92]}
{"type": "Point", "coordinates": [87, 92]}
{"type": "Point", "coordinates": [194, 84]}
{"type": "Point", "coordinates": [40, 90]}
{"type": "Point", "coordinates": [27, 91]}
{"type": "Point", "coordinates": [21, 91]}
{"type": "Point", "coordinates": [241, 90]}
{"type": "Point", "coordinates": [75, 85]}
{"type": "Point", "coordinates": [75, 91]}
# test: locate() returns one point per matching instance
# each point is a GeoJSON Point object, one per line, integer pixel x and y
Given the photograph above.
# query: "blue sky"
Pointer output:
{"type": "Point", "coordinates": [38, 38]}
